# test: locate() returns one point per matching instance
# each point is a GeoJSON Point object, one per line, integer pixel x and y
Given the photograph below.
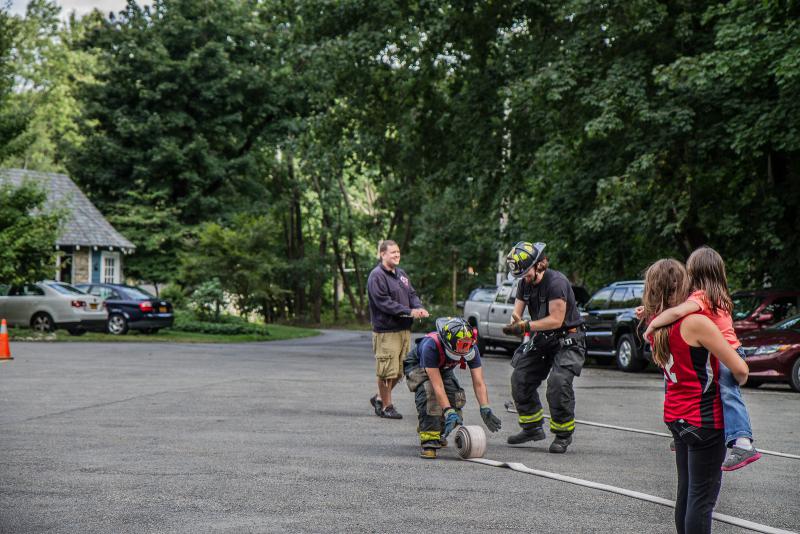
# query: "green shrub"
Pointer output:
{"type": "Point", "coordinates": [228, 325]}
{"type": "Point", "coordinates": [208, 299]}
{"type": "Point", "coordinates": [174, 294]}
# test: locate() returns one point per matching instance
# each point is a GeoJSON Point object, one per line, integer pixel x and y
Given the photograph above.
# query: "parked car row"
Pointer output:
{"type": "Point", "coordinates": [114, 308]}
{"type": "Point", "coordinates": [766, 321]}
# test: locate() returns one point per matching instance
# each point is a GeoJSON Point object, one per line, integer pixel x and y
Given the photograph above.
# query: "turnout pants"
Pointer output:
{"type": "Point", "coordinates": [559, 368]}
{"type": "Point", "coordinates": [429, 412]}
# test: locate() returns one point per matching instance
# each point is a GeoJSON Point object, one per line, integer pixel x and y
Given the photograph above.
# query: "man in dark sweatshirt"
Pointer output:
{"type": "Point", "coordinates": [393, 306]}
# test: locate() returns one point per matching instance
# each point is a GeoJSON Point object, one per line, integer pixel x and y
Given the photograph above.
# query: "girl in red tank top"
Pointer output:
{"type": "Point", "coordinates": [709, 284]}
{"type": "Point", "coordinates": [692, 374]}
{"type": "Point", "coordinates": [692, 405]}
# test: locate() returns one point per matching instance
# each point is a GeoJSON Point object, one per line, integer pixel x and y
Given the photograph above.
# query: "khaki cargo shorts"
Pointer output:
{"type": "Point", "coordinates": [390, 350]}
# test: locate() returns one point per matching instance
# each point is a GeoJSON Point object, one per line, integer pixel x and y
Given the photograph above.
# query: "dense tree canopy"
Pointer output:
{"type": "Point", "coordinates": [27, 234]}
{"type": "Point", "coordinates": [271, 144]}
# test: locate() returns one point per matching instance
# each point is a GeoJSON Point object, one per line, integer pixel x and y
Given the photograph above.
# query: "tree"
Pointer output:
{"type": "Point", "coordinates": [47, 70]}
{"type": "Point", "coordinates": [28, 234]}
{"type": "Point", "coordinates": [186, 95]}
{"type": "Point", "coordinates": [241, 257]}
{"type": "Point", "coordinates": [13, 120]}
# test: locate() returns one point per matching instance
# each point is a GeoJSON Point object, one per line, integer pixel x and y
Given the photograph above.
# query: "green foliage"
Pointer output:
{"type": "Point", "coordinates": [27, 234]}
{"type": "Point", "coordinates": [226, 326]}
{"type": "Point", "coordinates": [240, 257]}
{"type": "Point", "coordinates": [186, 93]}
{"type": "Point", "coordinates": [272, 145]}
{"type": "Point", "coordinates": [13, 120]}
{"type": "Point", "coordinates": [175, 295]}
{"type": "Point", "coordinates": [48, 70]}
{"type": "Point", "coordinates": [208, 299]}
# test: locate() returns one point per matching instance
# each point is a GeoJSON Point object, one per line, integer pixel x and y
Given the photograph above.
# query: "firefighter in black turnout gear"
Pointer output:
{"type": "Point", "coordinates": [557, 346]}
{"type": "Point", "coordinates": [439, 396]}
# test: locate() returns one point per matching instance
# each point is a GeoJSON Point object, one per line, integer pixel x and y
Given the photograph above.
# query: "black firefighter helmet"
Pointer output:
{"type": "Point", "coordinates": [458, 338]}
{"type": "Point", "coordinates": [523, 257]}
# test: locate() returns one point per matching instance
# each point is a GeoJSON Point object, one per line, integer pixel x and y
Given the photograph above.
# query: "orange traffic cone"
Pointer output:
{"type": "Point", "coordinates": [5, 350]}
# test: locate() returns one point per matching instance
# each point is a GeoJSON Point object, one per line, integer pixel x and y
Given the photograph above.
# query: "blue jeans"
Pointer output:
{"type": "Point", "coordinates": [737, 420]}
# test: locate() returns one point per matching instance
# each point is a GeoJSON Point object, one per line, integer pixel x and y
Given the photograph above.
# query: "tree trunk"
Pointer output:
{"type": "Point", "coordinates": [298, 245]}
{"type": "Point", "coordinates": [337, 253]}
{"type": "Point", "coordinates": [316, 283]}
{"type": "Point", "coordinates": [352, 248]}
{"type": "Point", "coordinates": [335, 296]}
{"type": "Point", "coordinates": [455, 278]}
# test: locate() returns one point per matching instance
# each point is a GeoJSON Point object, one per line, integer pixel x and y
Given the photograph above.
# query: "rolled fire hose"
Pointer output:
{"type": "Point", "coordinates": [470, 442]}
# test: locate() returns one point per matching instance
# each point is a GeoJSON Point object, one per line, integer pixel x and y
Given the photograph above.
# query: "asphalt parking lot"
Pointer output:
{"type": "Point", "coordinates": [280, 437]}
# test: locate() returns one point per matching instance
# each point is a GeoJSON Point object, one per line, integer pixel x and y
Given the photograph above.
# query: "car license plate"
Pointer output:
{"type": "Point", "coordinates": [162, 309]}
{"type": "Point", "coordinates": [93, 305]}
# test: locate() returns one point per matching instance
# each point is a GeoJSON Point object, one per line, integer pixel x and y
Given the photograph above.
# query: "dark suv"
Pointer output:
{"type": "Point", "coordinates": [612, 329]}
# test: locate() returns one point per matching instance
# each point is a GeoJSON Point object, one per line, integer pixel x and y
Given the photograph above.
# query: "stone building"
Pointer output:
{"type": "Point", "coordinates": [88, 248]}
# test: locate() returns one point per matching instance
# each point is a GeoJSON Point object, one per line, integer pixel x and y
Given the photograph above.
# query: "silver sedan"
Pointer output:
{"type": "Point", "coordinates": [48, 305]}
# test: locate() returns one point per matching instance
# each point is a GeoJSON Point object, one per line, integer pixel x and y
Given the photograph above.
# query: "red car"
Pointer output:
{"type": "Point", "coordinates": [754, 310]}
{"type": "Point", "coordinates": [773, 354]}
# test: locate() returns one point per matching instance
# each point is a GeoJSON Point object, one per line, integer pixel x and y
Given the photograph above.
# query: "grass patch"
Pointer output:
{"type": "Point", "coordinates": [276, 332]}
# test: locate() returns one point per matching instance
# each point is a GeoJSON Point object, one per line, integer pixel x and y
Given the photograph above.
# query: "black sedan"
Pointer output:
{"type": "Point", "coordinates": [131, 308]}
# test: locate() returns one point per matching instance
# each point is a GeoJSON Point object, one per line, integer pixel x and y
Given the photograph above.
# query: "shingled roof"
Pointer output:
{"type": "Point", "coordinates": [85, 226]}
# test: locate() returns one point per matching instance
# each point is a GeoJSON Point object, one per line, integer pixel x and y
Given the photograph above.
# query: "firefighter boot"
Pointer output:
{"type": "Point", "coordinates": [428, 453]}
{"type": "Point", "coordinates": [527, 434]}
{"type": "Point", "coordinates": [560, 444]}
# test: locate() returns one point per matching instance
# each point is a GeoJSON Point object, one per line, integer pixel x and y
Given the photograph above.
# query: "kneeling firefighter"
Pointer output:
{"type": "Point", "coordinates": [557, 346]}
{"type": "Point", "coordinates": [430, 376]}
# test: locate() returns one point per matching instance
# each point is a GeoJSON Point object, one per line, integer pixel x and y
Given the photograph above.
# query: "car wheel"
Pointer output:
{"type": "Point", "coordinates": [76, 331]}
{"type": "Point", "coordinates": [117, 324]}
{"type": "Point", "coordinates": [42, 322]}
{"type": "Point", "coordinates": [628, 359]}
{"type": "Point", "coordinates": [794, 378]}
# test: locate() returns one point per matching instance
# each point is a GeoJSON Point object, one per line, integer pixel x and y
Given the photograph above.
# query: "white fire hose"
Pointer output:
{"type": "Point", "coordinates": [470, 442]}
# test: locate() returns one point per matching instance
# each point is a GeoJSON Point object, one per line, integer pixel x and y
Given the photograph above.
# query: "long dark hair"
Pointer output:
{"type": "Point", "coordinates": [707, 272]}
{"type": "Point", "coordinates": [666, 285]}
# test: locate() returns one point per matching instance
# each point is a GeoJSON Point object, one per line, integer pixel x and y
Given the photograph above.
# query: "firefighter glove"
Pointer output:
{"type": "Point", "coordinates": [517, 328]}
{"type": "Point", "coordinates": [491, 421]}
{"type": "Point", "coordinates": [451, 420]}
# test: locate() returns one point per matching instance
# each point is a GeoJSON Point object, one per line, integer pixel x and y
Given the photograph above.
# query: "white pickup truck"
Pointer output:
{"type": "Point", "coordinates": [489, 314]}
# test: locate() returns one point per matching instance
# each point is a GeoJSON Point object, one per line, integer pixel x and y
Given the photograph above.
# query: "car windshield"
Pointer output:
{"type": "Point", "coordinates": [744, 305]}
{"type": "Point", "coordinates": [137, 293]}
{"type": "Point", "coordinates": [65, 289]}
{"type": "Point", "coordinates": [792, 323]}
{"type": "Point", "coordinates": [483, 295]}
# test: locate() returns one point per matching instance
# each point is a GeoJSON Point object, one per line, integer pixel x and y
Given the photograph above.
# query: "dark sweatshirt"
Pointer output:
{"type": "Point", "coordinates": [390, 295]}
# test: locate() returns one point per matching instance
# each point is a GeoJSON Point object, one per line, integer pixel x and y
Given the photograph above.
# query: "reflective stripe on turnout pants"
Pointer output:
{"type": "Point", "coordinates": [430, 414]}
{"type": "Point", "coordinates": [562, 367]}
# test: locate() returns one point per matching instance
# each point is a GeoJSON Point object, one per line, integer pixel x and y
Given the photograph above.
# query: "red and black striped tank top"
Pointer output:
{"type": "Point", "coordinates": [692, 375]}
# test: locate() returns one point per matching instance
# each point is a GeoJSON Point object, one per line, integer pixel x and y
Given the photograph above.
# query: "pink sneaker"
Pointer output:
{"type": "Point", "coordinates": [739, 458]}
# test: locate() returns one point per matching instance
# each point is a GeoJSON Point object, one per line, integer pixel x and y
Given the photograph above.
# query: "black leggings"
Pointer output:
{"type": "Point", "coordinates": [699, 453]}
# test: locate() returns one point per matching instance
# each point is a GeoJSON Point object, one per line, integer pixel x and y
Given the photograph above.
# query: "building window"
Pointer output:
{"type": "Point", "coordinates": [109, 273]}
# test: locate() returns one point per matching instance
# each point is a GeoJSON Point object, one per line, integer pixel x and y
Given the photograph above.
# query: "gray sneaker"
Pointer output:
{"type": "Point", "coordinates": [377, 405]}
{"type": "Point", "coordinates": [739, 458]}
{"type": "Point", "coordinates": [390, 413]}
